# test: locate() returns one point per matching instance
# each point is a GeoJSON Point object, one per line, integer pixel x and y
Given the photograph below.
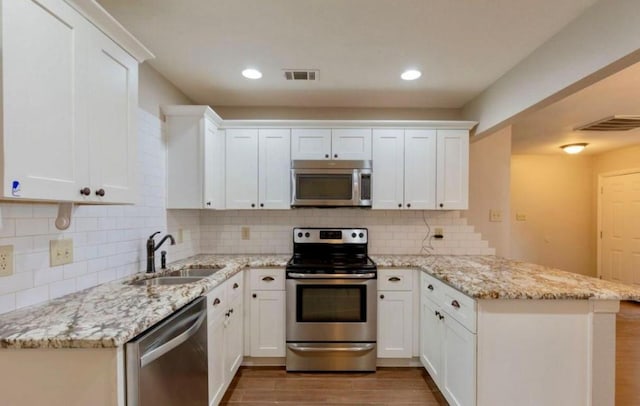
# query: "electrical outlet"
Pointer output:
{"type": "Point", "coordinates": [437, 231]}
{"type": "Point", "coordinates": [245, 233]}
{"type": "Point", "coordinates": [6, 260]}
{"type": "Point", "coordinates": [180, 236]}
{"type": "Point", "coordinates": [60, 252]}
{"type": "Point", "coordinates": [521, 217]}
{"type": "Point", "coordinates": [495, 215]}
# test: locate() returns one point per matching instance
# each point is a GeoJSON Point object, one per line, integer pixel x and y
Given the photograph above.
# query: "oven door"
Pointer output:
{"type": "Point", "coordinates": [328, 309]}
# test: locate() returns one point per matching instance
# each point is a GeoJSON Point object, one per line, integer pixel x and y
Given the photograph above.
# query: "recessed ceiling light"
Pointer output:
{"type": "Point", "coordinates": [574, 148]}
{"type": "Point", "coordinates": [411, 74]}
{"type": "Point", "coordinates": [252, 73]}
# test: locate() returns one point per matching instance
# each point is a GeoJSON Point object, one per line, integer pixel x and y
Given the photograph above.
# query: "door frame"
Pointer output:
{"type": "Point", "coordinates": [599, 193]}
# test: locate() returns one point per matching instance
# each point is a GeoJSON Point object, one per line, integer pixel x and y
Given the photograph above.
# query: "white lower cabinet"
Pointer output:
{"type": "Point", "coordinates": [395, 313]}
{"type": "Point", "coordinates": [267, 313]}
{"type": "Point", "coordinates": [447, 347]}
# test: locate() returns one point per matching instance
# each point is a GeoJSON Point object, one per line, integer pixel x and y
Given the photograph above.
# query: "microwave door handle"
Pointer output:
{"type": "Point", "coordinates": [355, 198]}
{"type": "Point", "coordinates": [293, 187]}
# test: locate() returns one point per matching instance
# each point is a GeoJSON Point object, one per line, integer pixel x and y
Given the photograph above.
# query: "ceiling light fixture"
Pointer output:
{"type": "Point", "coordinates": [574, 148]}
{"type": "Point", "coordinates": [252, 73]}
{"type": "Point", "coordinates": [411, 74]}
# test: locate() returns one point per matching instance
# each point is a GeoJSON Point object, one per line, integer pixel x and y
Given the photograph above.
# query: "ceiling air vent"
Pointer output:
{"type": "Point", "coordinates": [613, 123]}
{"type": "Point", "coordinates": [301, 74]}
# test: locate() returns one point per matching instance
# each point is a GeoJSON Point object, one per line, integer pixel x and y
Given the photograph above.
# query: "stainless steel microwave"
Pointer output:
{"type": "Point", "coordinates": [330, 183]}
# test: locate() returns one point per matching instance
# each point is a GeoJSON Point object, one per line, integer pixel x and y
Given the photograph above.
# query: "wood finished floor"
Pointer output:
{"type": "Point", "coordinates": [407, 386]}
{"type": "Point", "coordinates": [388, 386]}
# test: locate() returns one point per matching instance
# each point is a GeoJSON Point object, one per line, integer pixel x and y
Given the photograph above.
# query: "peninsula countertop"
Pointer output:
{"type": "Point", "coordinates": [109, 315]}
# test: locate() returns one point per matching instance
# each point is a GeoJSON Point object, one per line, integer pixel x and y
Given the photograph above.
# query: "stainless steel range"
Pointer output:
{"type": "Point", "coordinates": [331, 301]}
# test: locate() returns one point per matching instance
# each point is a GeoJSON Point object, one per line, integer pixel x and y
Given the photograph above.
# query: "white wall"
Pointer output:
{"type": "Point", "coordinates": [335, 113]}
{"type": "Point", "coordinates": [489, 188]}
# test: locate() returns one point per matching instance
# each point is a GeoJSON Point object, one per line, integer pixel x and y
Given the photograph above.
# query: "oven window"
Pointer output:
{"type": "Point", "coordinates": [324, 187]}
{"type": "Point", "coordinates": [330, 304]}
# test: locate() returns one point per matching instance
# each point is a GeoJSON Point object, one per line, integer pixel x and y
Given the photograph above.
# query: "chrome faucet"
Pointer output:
{"type": "Point", "coordinates": [151, 250]}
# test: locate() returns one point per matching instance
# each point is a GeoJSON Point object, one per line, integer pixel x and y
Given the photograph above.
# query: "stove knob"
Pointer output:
{"type": "Point", "coordinates": [353, 235]}
{"type": "Point", "coordinates": [299, 235]}
{"type": "Point", "coordinates": [307, 235]}
{"type": "Point", "coordinates": [361, 235]}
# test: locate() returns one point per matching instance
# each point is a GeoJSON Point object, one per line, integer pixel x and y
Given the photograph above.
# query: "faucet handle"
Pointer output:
{"type": "Point", "coordinates": [154, 234]}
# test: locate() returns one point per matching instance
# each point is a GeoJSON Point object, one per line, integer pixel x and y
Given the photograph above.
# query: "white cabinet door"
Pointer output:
{"type": "Point", "coordinates": [420, 169]}
{"type": "Point", "coordinates": [431, 338]}
{"type": "Point", "coordinates": [453, 170]}
{"type": "Point", "coordinates": [351, 143]}
{"type": "Point", "coordinates": [215, 350]}
{"type": "Point", "coordinates": [44, 135]}
{"type": "Point", "coordinates": [310, 143]}
{"type": "Point", "coordinates": [113, 104]}
{"type": "Point", "coordinates": [458, 383]}
{"type": "Point", "coordinates": [274, 169]}
{"type": "Point", "coordinates": [242, 169]}
{"type": "Point", "coordinates": [388, 167]}
{"type": "Point", "coordinates": [268, 323]}
{"type": "Point", "coordinates": [233, 338]}
{"type": "Point", "coordinates": [395, 322]}
{"type": "Point", "coordinates": [214, 166]}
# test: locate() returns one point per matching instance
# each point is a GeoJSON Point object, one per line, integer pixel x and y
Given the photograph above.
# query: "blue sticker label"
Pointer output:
{"type": "Point", "coordinates": [15, 188]}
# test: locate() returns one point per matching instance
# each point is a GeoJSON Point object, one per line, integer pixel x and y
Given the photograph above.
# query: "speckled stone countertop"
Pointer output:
{"type": "Point", "coordinates": [109, 315]}
{"type": "Point", "coordinates": [491, 277]}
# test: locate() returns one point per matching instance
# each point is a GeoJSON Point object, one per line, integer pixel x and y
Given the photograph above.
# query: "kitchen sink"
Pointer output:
{"type": "Point", "coordinates": [194, 272]}
{"type": "Point", "coordinates": [165, 280]}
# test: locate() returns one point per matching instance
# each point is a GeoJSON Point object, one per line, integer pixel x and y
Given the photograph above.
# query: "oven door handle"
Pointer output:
{"type": "Point", "coordinates": [358, 348]}
{"type": "Point", "coordinates": [368, 275]}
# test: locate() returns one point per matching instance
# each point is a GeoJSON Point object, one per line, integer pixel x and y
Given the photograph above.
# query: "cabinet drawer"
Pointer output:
{"type": "Point", "coordinates": [216, 302]}
{"type": "Point", "coordinates": [267, 279]}
{"type": "Point", "coordinates": [431, 288]}
{"type": "Point", "coordinates": [395, 279]}
{"type": "Point", "coordinates": [459, 306]}
{"type": "Point", "coordinates": [234, 286]}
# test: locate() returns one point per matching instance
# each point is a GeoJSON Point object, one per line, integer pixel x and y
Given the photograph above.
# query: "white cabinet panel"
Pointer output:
{"type": "Point", "coordinates": [311, 143]}
{"type": "Point", "coordinates": [420, 173]}
{"type": "Point", "coordinates": [242, 168]}
{"type": "Point", "coordinates": [453, 170]}
{"type": "Point", "coordinates": [388, 169]}
{"type": "Point", "coordinates": [268, 323]}
{"type": "Point", "coordinates": [430, 338]}
{"type": "Point", "coordinates": [351, 143]}
{"type": "Point", "coordinates": [215, 350]}
{"type": "Point", "coordinates": [274, 169]}
{"type": "Point", "coordinates": [395, 322]}
{"type": "Point", "coordinates": [214, 166]}
{"type": "Point", "coordinates": [233, 339]}
{"type": "Point", "coordinates": [458, 382]}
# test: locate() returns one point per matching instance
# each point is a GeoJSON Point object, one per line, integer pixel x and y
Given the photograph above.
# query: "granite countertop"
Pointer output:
{"type": "Point", "coordinates": [109, 315]}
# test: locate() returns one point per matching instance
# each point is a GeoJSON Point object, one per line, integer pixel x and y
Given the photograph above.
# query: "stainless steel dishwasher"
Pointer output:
{"type": "Point", "coordinates": [167, 364]}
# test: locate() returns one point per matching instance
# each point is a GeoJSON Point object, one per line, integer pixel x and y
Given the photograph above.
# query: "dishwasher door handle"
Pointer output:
{"type": "Point", "coordinates": [359, 348]}
{"type": "Point", "coordinates": [158, 352]}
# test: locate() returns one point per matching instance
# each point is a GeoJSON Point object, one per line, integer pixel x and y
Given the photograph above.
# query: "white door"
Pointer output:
{"type": "Point", "coordinates": [452, 184]}
{"type": "Point", "coordinates": [268, 323]}
{"type": "Point", "coordinates": [113, 104]}
{"type": "Point", "coordinates": [44, 131]}
{"type": "Point", "coordinates": [388, 167]}
{"type": "Point", "coordinates": [214, 166]}
{"type": "Point", "coordinates": [431, 338]}
{"type": "Point", "coordinates": [351, 144]}
{"type": "Point", "coordinates": [274, 183]}
{"type": "Point", "coordinates": [215, 354]}
{"type": "Point", "coordinates": [310, 143]}
{"type": "Point", "coordinates": [395, 322]}
{"type": "Point", "coordinates": [233, 339]}
{"type": "Point", "coordinates": [420, 169]}
{"type": "Point", "coordinates": [620, 226]}
{"type": "Point", "coordinates": [458, 384]}
{"type": "Point", "coordinates": [242, 169]}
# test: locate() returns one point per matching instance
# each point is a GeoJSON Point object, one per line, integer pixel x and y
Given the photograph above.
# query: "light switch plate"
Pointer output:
{"type": "Point", "coordinates": [180, 236]}
{"type": "Point", "coordinates": [6, 260]}
{"type": "Point", "coordinates": [495, 215]}
{"type": "Point", "coordinates": [60, 252]}
{"type": "Point", "coordinates": [521, 217]}
{"type": "Point", "coordinates": [245, 233]}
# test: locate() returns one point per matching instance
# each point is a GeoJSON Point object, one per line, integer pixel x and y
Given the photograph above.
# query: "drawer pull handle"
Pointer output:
{"type": "Point", "coordinates": [236, 286]}
{"type": "Point", "coordinates": [430, 287]}
{"type": "Point", "coordinates": [394, 279]}
{"type": "Point", "coordinates": [455, 304]}
{"type": "Point", "coordinates": [216, 301]}
{"type": "Point", "coordinates": [268, 279]}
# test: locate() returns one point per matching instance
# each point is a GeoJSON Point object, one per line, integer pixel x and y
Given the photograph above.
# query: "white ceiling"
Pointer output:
{"type": "Point", "coordinates": [544, 131]}
{"type": "Point", "coordinates": [359, 46]}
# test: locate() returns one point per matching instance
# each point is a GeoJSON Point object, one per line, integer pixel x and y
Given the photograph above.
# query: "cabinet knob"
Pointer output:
{"type": "Point", "coordinates": [208, 203]}
{"type": "Point", "coordinates": [430, 287]}
{"type": "Point", "coordinates": [455, 304]}
{"type": "Point", "coordinates": [216, 301]}
{"type": "Point", "coordinates": [441, 205]}
{"type": "Point", "coordinates": [261, 204]}
{"type": "Point", "coordinates": [399, 204]}
{"type": "Point", "coordinates": [381, 296]}
{"type": "Point", "coordinates": [268, 279]}
{"type": "Point", "coordinates": [335, 155]}
{"type": "Point", "coordinates": [230, 311]}
{"type": "Point", "coordinates": [326, 155]}
{"type": "Point", "coordinates": [437, 313]}
{"type": "Point", "coordinates": [253, 205]}
{"type": "Point", "coordinates": [440, 316]}
{"type": "Point", "coordinates": [85, 191]}
{"type": "Point", "coordinates": [254, 296]}
{"type": "Point", "coordinates": [394, 279]}
{"type": "Point", "coordinates": [236, 286]}
{"type": "Point", "coordinates": [100, 192]}
{"type": "Point", "coordinates": [408, 204]}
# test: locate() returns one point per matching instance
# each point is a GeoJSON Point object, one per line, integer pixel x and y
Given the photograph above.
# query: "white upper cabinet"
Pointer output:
{"type": "Point", "coordinates": [324, 143]}
{"type": "Point", "coordinates": [453, 170]}
{"type": "Point", "coordinates": [388, 169]}
{"type": "Point", "coordinates": [420, 169]}
{"type": "Point", "coordinates": [258, 169]}
{"type": "Point", "coordinates": [195, 158]}
{"type": "Point", "coordinates": [69, 104]}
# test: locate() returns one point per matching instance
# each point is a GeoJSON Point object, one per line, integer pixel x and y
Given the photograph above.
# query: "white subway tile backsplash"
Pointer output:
{"type": "Point", "coordinates": [61, 288]}
{"type": "Point", "coordinates": [32, 296]}
{"type": "Point", "coordinates": [31, 226]}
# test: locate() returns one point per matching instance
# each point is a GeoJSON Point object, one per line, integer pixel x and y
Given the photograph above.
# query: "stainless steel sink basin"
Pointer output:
{"type": "Point", "coordinates": [165, 280]}
{"type": "Point", "coordinates": [194, 272]}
